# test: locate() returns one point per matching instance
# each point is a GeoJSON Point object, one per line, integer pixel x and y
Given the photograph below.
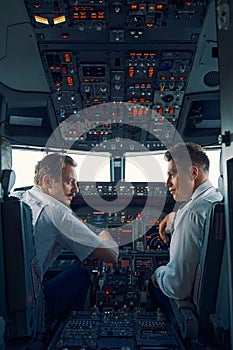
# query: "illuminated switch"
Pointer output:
{"type": "Point", "coordinates": [67, 57]}
{"type": "Point", "coordinates": [59, 19]}
{"type": "Point", "coordinates": [159, 7]}
{"type": "Point", "coordinates": [171, 110]}
{"type": "Point", "coordinates": [134, 7]}
{"type": "Point", "coordinates": [150, 25]}
{"type": "Point", "coordinates": [151, 72]}
{"type": "Point", "coordinates": [42, 20]}
{"type": "Point", "coordinates": [65, 35]}
{"type": "Point", "coordinates": [151, 7]}
{"type": "Point", "coordinates": [160, 110]}
{"type": "Point", "coordinates": [142, 7]}
{"type": "Point", "coordinates": [37, 5]}
{"type": "Point", "coordinates": [70, 81]}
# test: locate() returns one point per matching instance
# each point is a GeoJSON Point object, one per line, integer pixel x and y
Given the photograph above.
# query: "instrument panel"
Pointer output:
{"type": "Point", "coordinates": [134, 225]}
{"type": "Point", "coordinates": [126, 329]}
{"type": "Point", "coordinates": [131, 212]}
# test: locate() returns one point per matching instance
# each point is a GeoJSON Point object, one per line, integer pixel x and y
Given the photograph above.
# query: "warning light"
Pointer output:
{"type": "Point", "coordinates": [131, 72]}
{"type": "Point", "coordinates": [150, 25]}
{"type": "Point", "coordinates": [107, 292]}
{"type": "Point", "coordinates": [60, 19]}
{"type": "Point", "coordinates": [70, 81]}
{"type": "Point", "coordinates": [93, 15]}
{"type": "Point", "coordinates": [42, 20]}
{"type": "Point", "coordinates": [37, 6]}
{"type": "Point", "coordinates": [134, 7]}
{"type": "Point", "coordinates": [67, 57]}
{"type": "Point", "coordinates": [151, 8]}
{"type": "Point", "coordinates": [100, 14]}
{"type": "Point", "coordinates": [160, 110]}
{"type": "Point", "coordinates": [65, 35]}
{"type": "Point", "coordinates": [151, 71]}
{"type": "Point", "coordinates": [140, 112]}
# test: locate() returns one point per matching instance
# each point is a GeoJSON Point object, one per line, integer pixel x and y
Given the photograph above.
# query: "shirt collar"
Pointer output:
{"type": "Point", "coordinates": [201, 189]}
{"type": "Point", "coordinates": [46, 198]}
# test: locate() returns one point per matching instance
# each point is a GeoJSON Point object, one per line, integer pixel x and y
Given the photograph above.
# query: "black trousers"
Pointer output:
{"type": "Point", "coordinates": [66, 291]}
{"type": "Point", "coordinates": [158, 299]}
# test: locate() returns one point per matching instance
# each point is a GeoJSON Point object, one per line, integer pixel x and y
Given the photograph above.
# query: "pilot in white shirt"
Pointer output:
{"type": "Point", "coordinates": [188, 170]}
{"type": "Point", "coordinates": [176, 278]}
{"type": "Point", "coordinates": [57, 228]}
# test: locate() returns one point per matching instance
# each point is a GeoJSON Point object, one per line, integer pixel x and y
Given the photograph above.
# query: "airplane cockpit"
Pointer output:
{"type": "Point", "coordinates": [115, 84]}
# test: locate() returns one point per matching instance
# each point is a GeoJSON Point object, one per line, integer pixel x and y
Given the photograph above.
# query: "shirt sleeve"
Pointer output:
{"type": "Point", "coordinates": [176, 278]}
{"type": "Point", "coordinates": [72, 234]}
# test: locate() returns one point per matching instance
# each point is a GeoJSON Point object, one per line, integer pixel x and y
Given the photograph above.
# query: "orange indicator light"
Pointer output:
{"type": "Point", "coordinates": [42, 20]}
{"type": "Point", "coordinates": [60, 19]}
{"type": "Point", "coordinates": [70, 81]}
{"type": "Point", "coordinates": [67, 57]}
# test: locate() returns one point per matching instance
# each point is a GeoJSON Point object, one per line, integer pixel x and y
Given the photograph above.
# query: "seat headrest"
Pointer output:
{"type": "Point", "coordinates": [7, 179]}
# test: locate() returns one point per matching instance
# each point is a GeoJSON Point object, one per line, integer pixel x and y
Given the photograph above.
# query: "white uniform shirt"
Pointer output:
{"type": "Point", "coordinates": [176, 278]}
{"type": "Point", "coordinates": [56, 227]}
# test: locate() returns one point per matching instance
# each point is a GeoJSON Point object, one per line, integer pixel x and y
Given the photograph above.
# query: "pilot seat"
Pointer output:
{"type": "Point", "coordinates": [23, 309]}
{"type": "Point", "coordinates": [193, 316]}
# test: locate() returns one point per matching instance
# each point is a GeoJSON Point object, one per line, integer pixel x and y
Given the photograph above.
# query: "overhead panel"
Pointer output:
{"type": "Point", "coordinates": [98, 52]}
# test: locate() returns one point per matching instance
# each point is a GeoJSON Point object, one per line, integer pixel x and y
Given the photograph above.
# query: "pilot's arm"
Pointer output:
{"type": "Point", "coordinates": [166, 226]}
{"type": "Point", "coordinates": [108, 250]}
{"type": "Point", "coordinates": [80, 239]}
{"type": "Point", "coordinates": [176, 278]}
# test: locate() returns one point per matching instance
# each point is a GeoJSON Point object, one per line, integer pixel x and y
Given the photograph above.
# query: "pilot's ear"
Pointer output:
{"type": "Point", "coordinates": [47, 181]}
{"type": "Point", "coordinates": [194, 172]}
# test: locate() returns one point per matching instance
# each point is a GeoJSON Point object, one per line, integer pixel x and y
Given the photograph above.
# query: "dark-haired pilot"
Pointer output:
{"type": "Point", "coordinates": [187, 181]}
{"type": "Point", "coordinates": [57, 228]}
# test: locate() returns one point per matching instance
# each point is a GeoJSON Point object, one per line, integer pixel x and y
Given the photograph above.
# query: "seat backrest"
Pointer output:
{"type": "Point", "coordinates": [192, 316]}
{"type": "Point", "coordinates": [208, 269]}
{"type": "Point", "coordinates": [22, 282]}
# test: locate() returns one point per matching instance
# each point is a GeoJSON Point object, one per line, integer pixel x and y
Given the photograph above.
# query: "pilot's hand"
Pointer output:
{"type": "Point", "coordinates": [153, 279]}
{"type": "Point", "coordinates": [105, 235]}
{"type": "Point", "coordinates": [108, 249]}
{"type": "Point", "coordinates": [165, 227]}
